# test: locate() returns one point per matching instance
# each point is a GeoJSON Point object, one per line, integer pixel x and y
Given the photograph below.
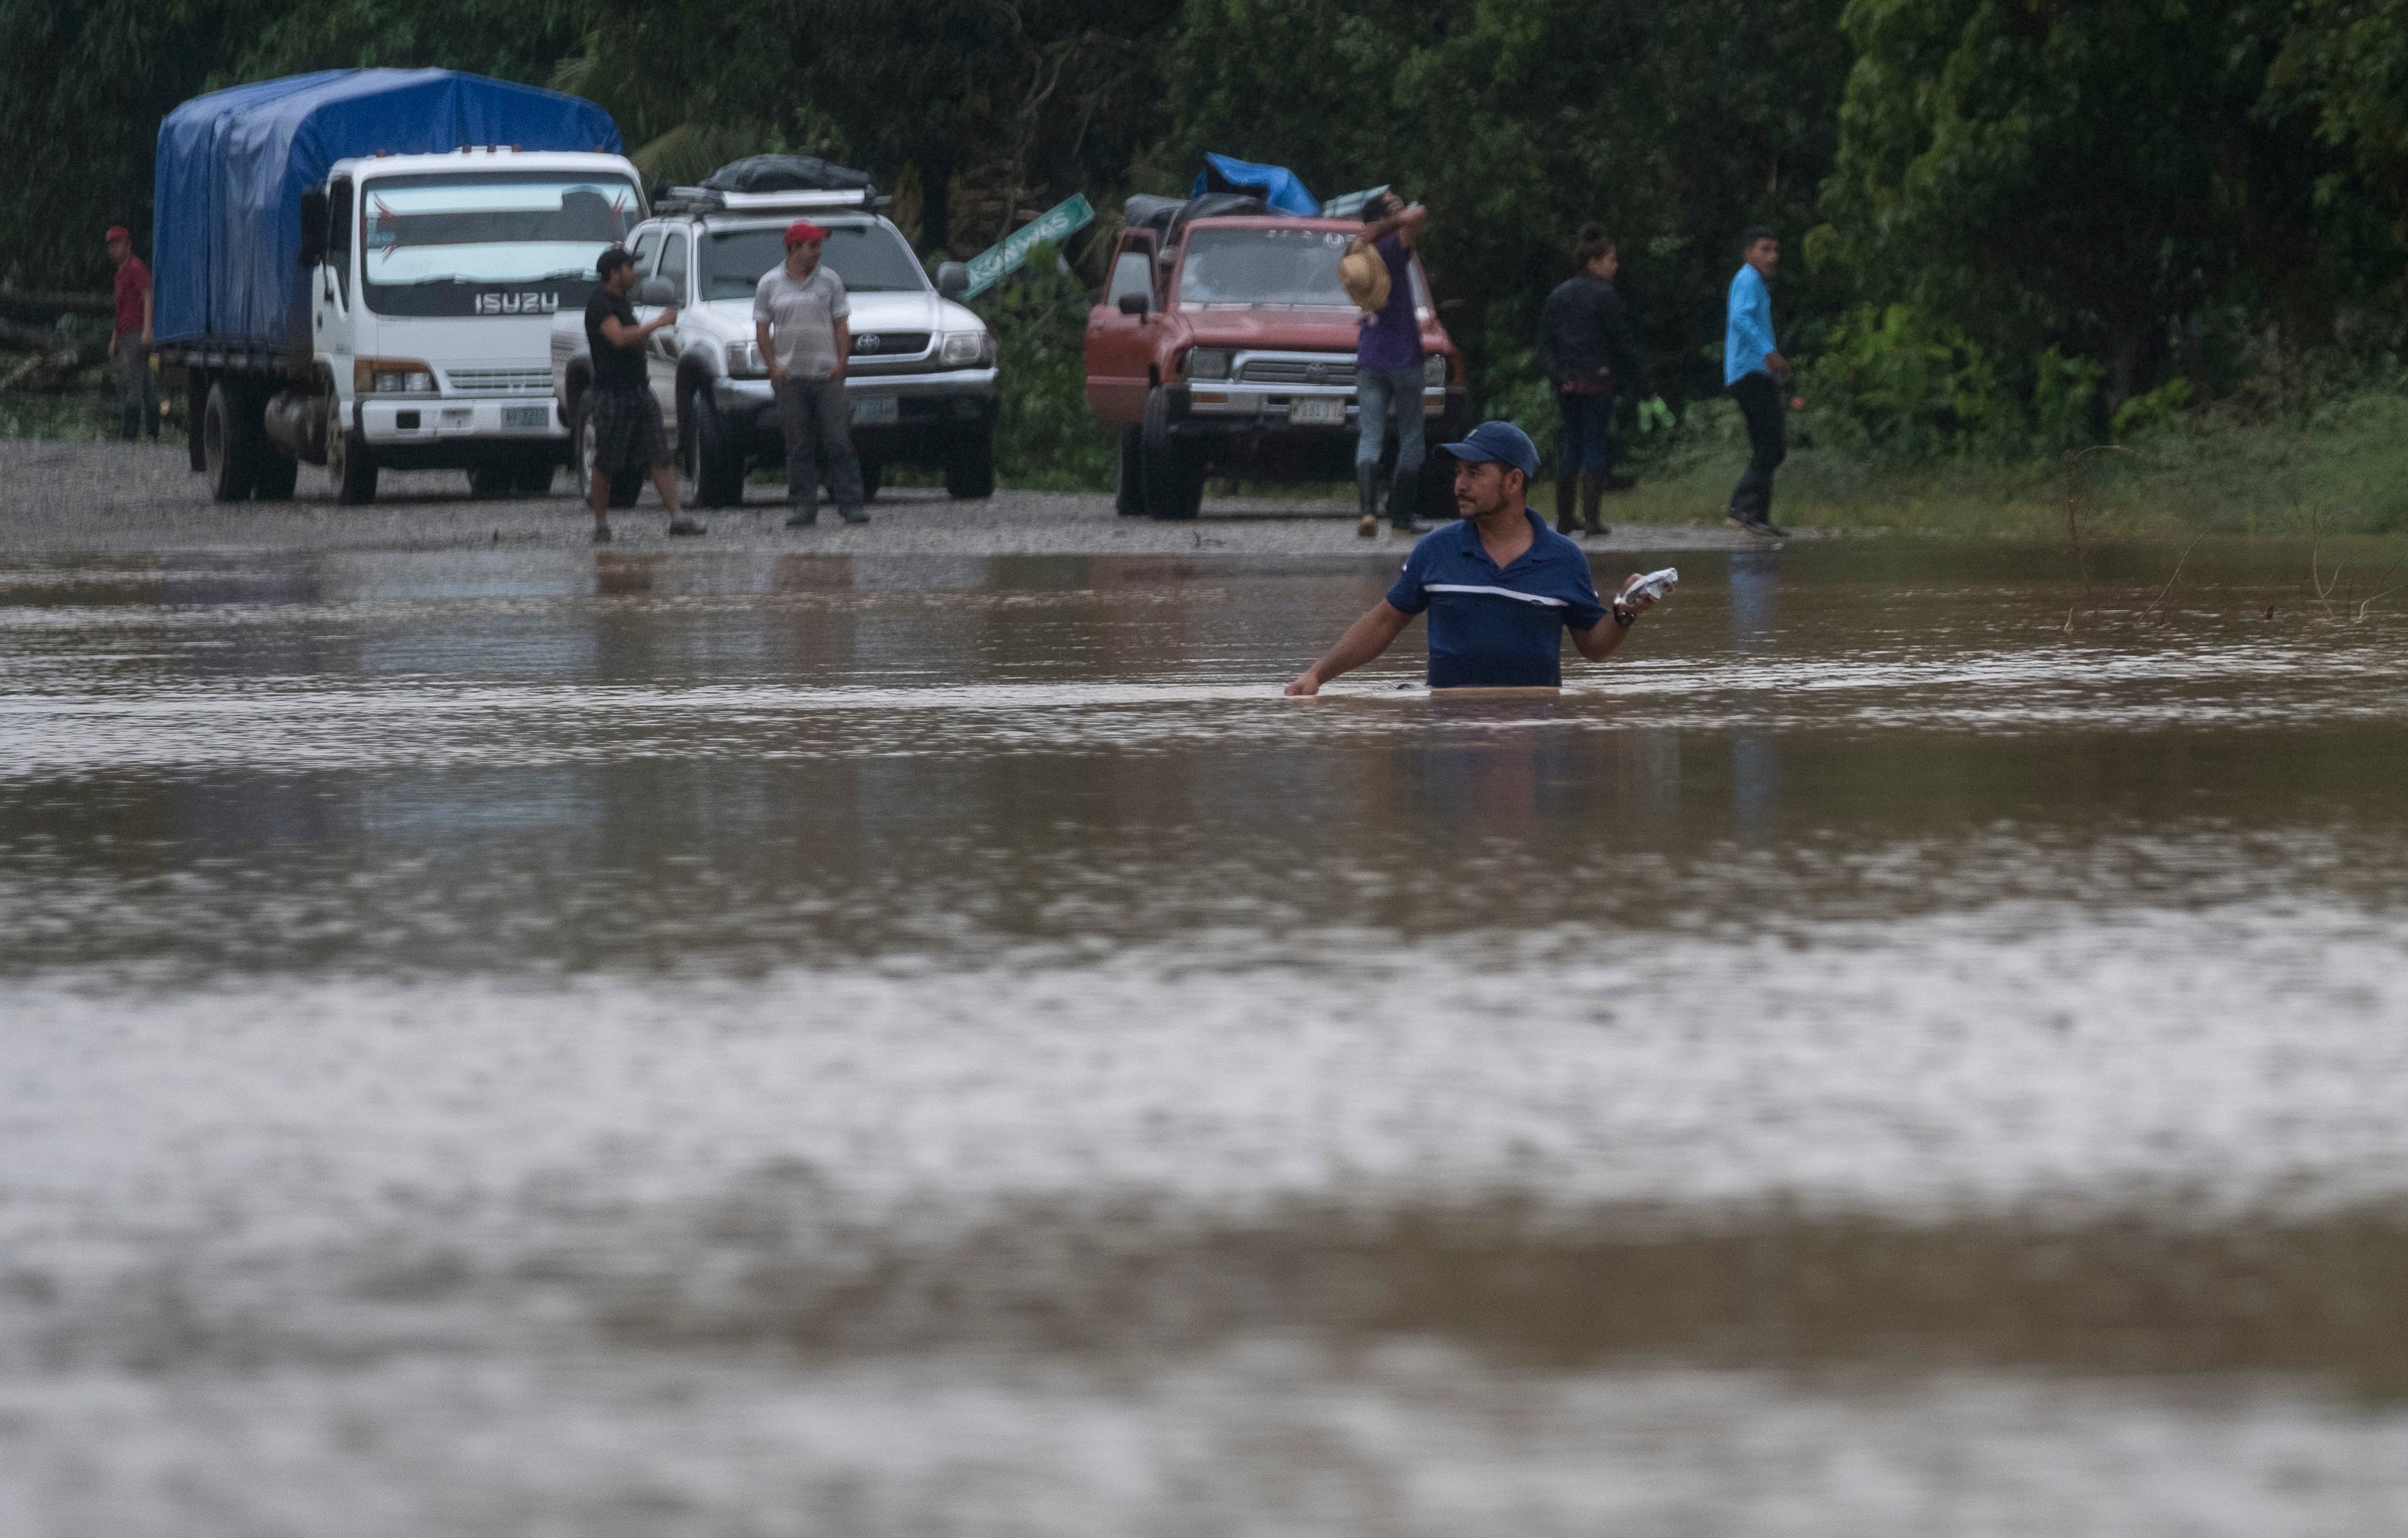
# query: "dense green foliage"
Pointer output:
{"type": "Point", "coordinates": [2014, 225]}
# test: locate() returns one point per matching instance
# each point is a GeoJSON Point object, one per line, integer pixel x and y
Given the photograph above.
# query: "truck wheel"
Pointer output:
{"type": "Point", "coordinates": [1173, 472]}
{"type": "Point", "coordinates": [970, 466]}
{"type": "Point", "coordinates": [231, 446]}
{"type": "Point", "coordinates": [1129, 485]}
{"type": "Point", "coordinates": [277, 476]}
{"type": "Point", "coordinates": [487, 482]}
{"type": "Point", "coordinates": [353, 468]}
{"type": "Point", "coordinates": [532, 475]}
{"type": "Point", "coordinates": [714, 463]}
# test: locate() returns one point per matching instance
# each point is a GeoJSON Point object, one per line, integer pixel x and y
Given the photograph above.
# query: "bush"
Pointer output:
{"type": "Point", "coordinates": [1045, 437]}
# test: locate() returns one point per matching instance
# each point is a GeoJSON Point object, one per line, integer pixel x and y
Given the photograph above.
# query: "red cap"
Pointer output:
{"type": "Point", "coordinates": [803, 229]}
{"type": "Point", "coordinates": [118, 231]}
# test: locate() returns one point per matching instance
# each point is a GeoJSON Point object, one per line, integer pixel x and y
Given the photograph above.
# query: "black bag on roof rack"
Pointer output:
{"type": "Point", "coordinates": [785, 174]}
{"type": "Point", "coordinates": [1146, 211]}
{"type": "Point", "coordinates": [1218, 206]}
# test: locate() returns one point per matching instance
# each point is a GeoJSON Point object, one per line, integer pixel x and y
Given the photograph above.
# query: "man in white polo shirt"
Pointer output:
{"type": "Point", "coordinates": [799, 314]}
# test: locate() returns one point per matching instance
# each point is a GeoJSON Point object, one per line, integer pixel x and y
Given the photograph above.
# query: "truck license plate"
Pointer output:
{"type": "Point", "coordinates": [527, 416]}
{"type": "Point", "coordinates": [874, 410]}
{"type": "Point", "coordinates": [1327, 412]}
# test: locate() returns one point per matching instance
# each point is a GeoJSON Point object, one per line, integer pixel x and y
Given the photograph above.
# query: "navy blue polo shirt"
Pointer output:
{"type": "Point", "coordinates": [1491, 629]}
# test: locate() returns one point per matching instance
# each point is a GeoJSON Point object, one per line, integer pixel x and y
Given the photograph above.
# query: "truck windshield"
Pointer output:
{"type": "Point", "coordinates": [1256, 266]}
{"type": "Point", "coordinates": [430, 243]}
{"type": "Point", "coordinates": [870, 258]}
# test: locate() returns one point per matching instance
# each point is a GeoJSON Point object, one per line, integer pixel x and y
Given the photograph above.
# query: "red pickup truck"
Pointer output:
{"type": "Point", "coordinates": [1225, 345]}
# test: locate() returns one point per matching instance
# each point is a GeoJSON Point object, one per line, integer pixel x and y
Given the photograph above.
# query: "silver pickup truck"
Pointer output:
{"type": "Point", "coordinates": [921, 377]}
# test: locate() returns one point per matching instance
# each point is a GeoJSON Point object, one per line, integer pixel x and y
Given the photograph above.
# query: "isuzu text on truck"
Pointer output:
{"type": "Point", "coordinates": [359, 269]}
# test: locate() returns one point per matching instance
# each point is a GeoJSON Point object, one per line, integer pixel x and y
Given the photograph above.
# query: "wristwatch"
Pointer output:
{"type": "Point", "coordinates": [1622, 617]}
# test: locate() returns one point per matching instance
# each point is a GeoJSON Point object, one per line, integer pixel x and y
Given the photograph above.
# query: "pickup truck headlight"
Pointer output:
{"type": "Point", "coordinates": [1433, 371]}
{"type": "Point", "coordinates": [392, 376]}
{"type": "Point", "coordinates": [744, 360]}
{"type": "Point", "coordinates": [966, 349]}
{"type": "Point", "coordinates": [1209, 363]}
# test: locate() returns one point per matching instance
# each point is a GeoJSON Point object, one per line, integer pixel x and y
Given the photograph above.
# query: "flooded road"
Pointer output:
{"type": "Point", "coordinates": [744, 1042]}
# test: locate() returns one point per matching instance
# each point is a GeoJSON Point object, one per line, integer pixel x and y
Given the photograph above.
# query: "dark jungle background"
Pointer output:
{"type": "Point", "coordinates": [2015, 228]}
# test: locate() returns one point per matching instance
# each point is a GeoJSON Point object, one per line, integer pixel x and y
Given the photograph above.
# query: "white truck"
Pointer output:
{"type": "Point", "coordinates": [360, 270]}
{"type": "Point", "coordinates": [920, 378]}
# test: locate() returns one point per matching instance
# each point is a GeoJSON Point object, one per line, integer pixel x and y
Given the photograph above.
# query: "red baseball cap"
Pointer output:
{"type": "Point", "coordinates": [118, 231]}
{"type": "Point", "coordinates": [803, 229]}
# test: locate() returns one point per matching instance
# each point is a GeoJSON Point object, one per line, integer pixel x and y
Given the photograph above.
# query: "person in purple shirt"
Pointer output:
{"type": "Point", "coordinates": [1388, 370]}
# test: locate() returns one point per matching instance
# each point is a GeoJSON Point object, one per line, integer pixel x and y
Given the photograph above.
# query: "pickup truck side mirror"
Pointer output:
{"type": "Point", "coordinates": [953, 279]}
{"type": "Point", "coordinates": [656, 293]}
{"type": "Point", "coordinates": [1135, 303]}
{"type": "Point", "coordinates": [313, 227]}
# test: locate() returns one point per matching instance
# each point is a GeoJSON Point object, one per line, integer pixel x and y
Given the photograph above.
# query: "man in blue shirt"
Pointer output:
{"type": "Point", "coordinates": [1500, 587]}
{"type": "Point", "coordinates": [1754, 370]}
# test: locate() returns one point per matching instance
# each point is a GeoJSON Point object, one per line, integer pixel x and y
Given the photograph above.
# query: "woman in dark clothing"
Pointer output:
{"type": "Point", "coordinates": [1588, 352]}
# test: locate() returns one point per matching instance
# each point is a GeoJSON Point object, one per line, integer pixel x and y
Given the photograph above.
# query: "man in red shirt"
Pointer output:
{"type": "Point", "coordinates": [130, 344]}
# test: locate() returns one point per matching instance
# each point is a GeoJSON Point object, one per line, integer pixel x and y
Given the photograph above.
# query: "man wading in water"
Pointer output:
{"type": "Point", "coordinates": [1500, 587]}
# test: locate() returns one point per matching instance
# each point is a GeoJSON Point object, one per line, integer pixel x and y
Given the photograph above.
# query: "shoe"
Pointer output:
{"type": "Point", "coordinates": [1408, 526]}
{"type": "Point", "coordinates": [852, 515]}
{"type": "Point", "coordinates": [1761, 528]}
{"type": "Point", "coordinates": [803, 518]}
{"type": "Point", "coordinates": [1368, 525]}
{"type": "Point", "coordinates": [1591, 489]}
{"type": "Point", "coordinates": [686, 526]}
{"type": "Point", "coordinates": [601, 534]}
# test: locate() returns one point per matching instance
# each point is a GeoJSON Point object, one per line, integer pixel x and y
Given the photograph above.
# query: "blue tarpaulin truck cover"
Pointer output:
{"type": "Point", "coordinates": [232, 165]}
{"type": "Point", "coordinates": [1274, 184]}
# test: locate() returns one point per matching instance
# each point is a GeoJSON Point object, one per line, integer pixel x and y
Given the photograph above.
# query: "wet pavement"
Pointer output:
{"type": "Point", "coordinates": [767, 1040]}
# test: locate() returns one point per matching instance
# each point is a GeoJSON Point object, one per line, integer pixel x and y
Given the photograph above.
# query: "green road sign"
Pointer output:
{"type": "Point", "coordinates": [1050, 228]}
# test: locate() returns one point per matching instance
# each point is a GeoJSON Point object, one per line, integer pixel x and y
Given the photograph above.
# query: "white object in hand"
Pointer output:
{"type": "Point", "coordinates": [1654, 585]}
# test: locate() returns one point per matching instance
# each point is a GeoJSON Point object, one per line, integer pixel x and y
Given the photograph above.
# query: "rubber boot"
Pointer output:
{"type": "Point", "coordinates": [1366, 496]}
{"type": "Point", "coordinates": [1405, 503]}
{"type": "Point", "coordinates": [1565, 488]}
{"type": "Point", "coordinates": [1592, 490]}
{"type": "Point", "coordinates": [130, 422]}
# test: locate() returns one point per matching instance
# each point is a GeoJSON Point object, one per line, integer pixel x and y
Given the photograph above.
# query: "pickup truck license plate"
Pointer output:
{"type": "Point", "coordinates": [527, 416]}
{"type": "Point", "coordinates": [874, 410]}
{"type": "Point", "coordinates": [1323, 412]}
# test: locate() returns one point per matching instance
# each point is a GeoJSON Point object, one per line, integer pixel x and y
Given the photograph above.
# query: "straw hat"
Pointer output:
{"type": "Point", "coordinates": [1366, 276]}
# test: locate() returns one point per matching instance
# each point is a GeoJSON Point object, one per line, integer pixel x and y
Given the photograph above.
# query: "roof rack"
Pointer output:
{"type": "Point", "coordinates": [693, 200]}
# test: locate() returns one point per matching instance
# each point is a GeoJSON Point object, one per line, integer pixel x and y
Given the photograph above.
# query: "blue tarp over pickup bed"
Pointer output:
{"type": "Point", "coordinates": [232, 165]}
{"type": "Point", "coordinates": [1274, 184]}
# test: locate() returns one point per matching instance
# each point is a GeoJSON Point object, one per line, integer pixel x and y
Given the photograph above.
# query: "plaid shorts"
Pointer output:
{"type": "Point", "coordinates": [627, 430]}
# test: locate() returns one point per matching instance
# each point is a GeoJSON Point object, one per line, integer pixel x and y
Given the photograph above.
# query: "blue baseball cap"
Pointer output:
{"type": "Point", "coordinates": [1500, 442]}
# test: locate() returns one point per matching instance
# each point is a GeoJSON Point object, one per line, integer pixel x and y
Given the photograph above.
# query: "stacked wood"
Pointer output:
{"type": "Point", "coordinates": [49, 343]}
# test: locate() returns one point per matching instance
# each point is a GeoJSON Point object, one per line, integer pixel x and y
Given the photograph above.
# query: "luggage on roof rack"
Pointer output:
{"type": "Point", "coordinates": [786, 174]}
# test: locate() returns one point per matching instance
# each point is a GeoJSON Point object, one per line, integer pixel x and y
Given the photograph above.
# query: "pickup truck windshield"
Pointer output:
{"type": "Point", "coordinates": [1255, 266]}
{"type": "Point", "coordinates": [434, 245]}
{"type": "Point", "coordinates": [870, 258]}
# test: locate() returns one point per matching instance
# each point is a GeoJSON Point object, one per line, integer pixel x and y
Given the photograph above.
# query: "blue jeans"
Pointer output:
{"type": "Point", "coordinates": [1382, 394]}
{"type": "Point", "coordinates": [1587, 420]}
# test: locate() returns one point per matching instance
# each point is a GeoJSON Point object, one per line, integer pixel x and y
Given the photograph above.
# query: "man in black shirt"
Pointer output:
{"type": "Point", "coordinates": [1587, 353]}
{"type": "Point", "coordinates": [620, 408]}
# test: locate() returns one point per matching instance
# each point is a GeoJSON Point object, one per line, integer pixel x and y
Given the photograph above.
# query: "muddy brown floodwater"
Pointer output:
{"type": "Point", "coordinates": [732, 1042]}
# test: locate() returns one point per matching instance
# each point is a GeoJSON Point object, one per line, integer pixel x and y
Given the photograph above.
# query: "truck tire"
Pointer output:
{"type": "Point", "coordinates": [1173, 472]}
{"type": "Point", "coordinates": [1437, 487]}
{"type": "Point", "coordinates": [1128, 484]}
{"type": "Point", "coordinates": [490, 482]}
{"type": "Point", "coordinates": [532, 476]}
{"type": "Point", "coordinates": [970, 464]}
{"type": "Point", "coordinates": [713, 463]}
{"type": "Point", "coordinates": [352, 467]}
{"type": "Point", "coordinates": [232, 442]}
{"type": "Point", "coordinates": [277, 476]}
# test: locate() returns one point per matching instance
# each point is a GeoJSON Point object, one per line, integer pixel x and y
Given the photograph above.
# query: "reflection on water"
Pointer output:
{"type": "Point", "coordinates": [726, 1043]}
